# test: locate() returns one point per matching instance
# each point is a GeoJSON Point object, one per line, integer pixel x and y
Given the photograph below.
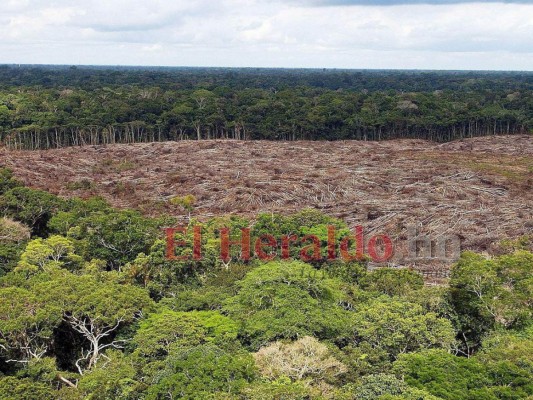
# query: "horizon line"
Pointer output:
{"type": "Point", "coordinates": [126, 66]}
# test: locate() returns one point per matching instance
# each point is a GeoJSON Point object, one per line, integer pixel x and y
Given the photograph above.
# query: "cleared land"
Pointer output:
{"type": "Point", "coordinates": [479, 189]}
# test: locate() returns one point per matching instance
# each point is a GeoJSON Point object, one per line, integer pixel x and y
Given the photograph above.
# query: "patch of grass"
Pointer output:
{"type": "Point", "coordinates": [522, 243]}
{"type": "Point", "coordinates": [123, 188]}
{"type": "Point", "coordinates": [83, 184]}
{"type": "Point", "coordinates": [516, 170]}
{"type": "Point", "coordinates": [111, 165]}
{"type": "Point", "coordinates": [125, 165]}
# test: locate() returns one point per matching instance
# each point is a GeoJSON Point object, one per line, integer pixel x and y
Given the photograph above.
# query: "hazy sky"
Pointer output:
{"type": "Point", "coordinates": [428, 34]}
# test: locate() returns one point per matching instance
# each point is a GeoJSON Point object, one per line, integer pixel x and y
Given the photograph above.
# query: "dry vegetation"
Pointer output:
{"type": "Point", "coordinates": [479, 189]}
{"type": "Point", "coordinates": [305, 358]}
{"type": "Point", "coordinates": [13, 231]}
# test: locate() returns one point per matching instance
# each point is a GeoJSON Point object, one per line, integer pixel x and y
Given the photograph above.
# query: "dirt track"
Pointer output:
{"type": "Point", "coordinates": [479, 189]}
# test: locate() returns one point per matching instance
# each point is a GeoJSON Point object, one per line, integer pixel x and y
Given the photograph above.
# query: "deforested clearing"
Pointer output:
{"type": "Point", "coordinates": [480, 189]}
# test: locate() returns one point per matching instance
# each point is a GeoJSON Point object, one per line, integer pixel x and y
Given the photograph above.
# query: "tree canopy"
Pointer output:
{"type": "Point", "coordinates": [108, 316]}
{"type": "Point", "coordinates": [49, 107]}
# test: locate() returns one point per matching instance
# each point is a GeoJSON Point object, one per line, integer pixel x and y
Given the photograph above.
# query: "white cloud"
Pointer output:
{"type": "Point", "coordinates": [267, 33]}
{"type": "Point", "coordinates": [152, 48]}
{"type": "Point", "coordinates": [33, 25]}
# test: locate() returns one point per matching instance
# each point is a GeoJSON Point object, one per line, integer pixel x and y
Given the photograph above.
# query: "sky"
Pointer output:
{"type": "Point", "coordinates": [383, 34]}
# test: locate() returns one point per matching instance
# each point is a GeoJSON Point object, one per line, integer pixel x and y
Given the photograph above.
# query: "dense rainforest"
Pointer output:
{"type": "Point", "coordinates": [45, 107]}
{"type": "Point", "coordinates": [90, 308]}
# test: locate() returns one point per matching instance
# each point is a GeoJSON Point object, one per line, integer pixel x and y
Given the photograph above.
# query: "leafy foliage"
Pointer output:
{"type": "Point", "coordinates": [165, 331]}
{"type": "Point", "coordinates": [449, 377]}
{"type": "Point", "coordinates": [398, 327]}
{"type": "Point", "coordinates": [50, 107]}
{"type": "Point", "coordinates": [394, 282]}
{"type": "Point", "coordinates": [90, 308]}
{"type": "Point", "coordinates": [492, 292]}
{"type": "Point", "coordinates": [32, 207]}
{"type": "Point", "coordinates": [202, 371]}
{"type": "Point", "coordinates": [283, 300]}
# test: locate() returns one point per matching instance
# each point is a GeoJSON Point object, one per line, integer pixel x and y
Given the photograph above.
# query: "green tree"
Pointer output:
{"type": "Point", "coordinates": [27, 322]}
{"type": "Point", "coordinates": [375, 386]}
{"type": "Point", "coordinates": [281, 300]}
{"type": "Point", "coordinates": [13, 237]}
{"type": "Point", "coordinates": [491, 292]}
{"type": "Point", "coordinates": [201, 372]}
{"type": "Point", "coordinates": [162, 332]}
{"type": "Point", "coordinates": [447, 376]}
{"type": "Point", "coordinates": [114, 379]}
{"type": "Point", "coordinates": [509, 361]}
{"type": "Point", "coordinates": [42, 255]}
{"type": "Point", "coordinates": [33, 208]}
{"type": "Point", "coordinates": [398, 327]}
{"type": "Point", "coordinates": [111, 235]}
{"type": "Point", "coordinates": [393, 282]}
{"type": "Point", "coordinates": [7, 181]}
{"type": "Point", "coordinates": [95, 309]}
{"type": "Point", "coordinates": [279, 389]}
{"type": "Point", "coordinates": [24, 389]}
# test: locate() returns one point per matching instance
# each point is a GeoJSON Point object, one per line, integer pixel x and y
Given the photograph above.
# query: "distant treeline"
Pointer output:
{"type": "Point", "coordinates": [50, 107]}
